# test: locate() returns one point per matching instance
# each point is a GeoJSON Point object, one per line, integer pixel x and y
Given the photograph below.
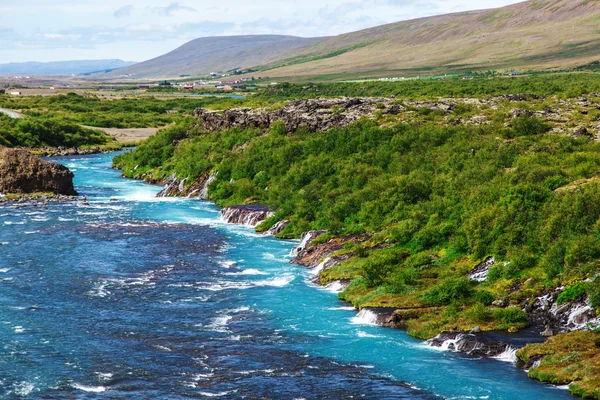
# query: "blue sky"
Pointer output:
{"type": "Point", "coordinates": [137, 30]}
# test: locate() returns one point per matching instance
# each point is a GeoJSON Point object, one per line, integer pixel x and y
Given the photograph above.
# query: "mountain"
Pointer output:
{"type": "Point", "coordinates": [61, 67]}
{"type": "Point", "coordinates": [531, 34]}
{"type": "Point", "coordinates": [217, 54]}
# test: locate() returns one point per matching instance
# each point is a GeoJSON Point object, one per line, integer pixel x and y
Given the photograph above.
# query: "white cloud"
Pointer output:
{"type": "Point", "coordinates": [141, 29]}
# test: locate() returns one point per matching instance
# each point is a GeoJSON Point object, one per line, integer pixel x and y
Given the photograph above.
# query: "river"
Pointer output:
{"type": "Point", "coordinates": [134, 297]}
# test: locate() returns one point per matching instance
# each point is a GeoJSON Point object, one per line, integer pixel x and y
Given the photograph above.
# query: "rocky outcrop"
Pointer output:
{"type": "Point", "coordinates": [480, 272]}
{"type": "Point", "coordinates": [73, 151]}
{"type": "Point", "coordinates": [277, 228]}
{"type": "Point", "coordinates": [475, 345]}
{"type": "Point", "coordinates": [551, 319]}
{"type": "Point", "coordinates": [313, 114]}
{"type": "Point", "coordinates": [251, 215]}
{"type": "Point", "coordinates": [174, 187]}
{"type": "Point", "coordinates": [24, 173]}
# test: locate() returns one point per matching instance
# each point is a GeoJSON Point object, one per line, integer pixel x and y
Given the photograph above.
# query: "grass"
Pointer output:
{"type": "Point", "coordinates": [568, 359]}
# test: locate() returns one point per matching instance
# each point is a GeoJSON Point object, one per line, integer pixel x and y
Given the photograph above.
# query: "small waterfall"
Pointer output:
{"type": "Point", "coordinates": [250, 215]}
{"type": "Point", "coordinates": [509, 355]}
{"type": "Point", "coordinates": [277, 228]}
{"type": "Point", "coordinates": [317, 270]}
{"type": "Point", "coordinates": [305, 240]}
{"type": "Point", "coordinates": [480, 272]}
{"type": "Point", "coordinates": [204, 191]}
{"type": "Point", "coordinates": [365, 317]}
{"type": "Point", "coordinates": [168, 188]}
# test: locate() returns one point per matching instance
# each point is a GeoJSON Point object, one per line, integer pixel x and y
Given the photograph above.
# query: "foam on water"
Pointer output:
{"type": "Point", "coordinates": [90, 389]}
{"type": "Point", "coordinates": [509, 355]}
{"type": "Point", "coordinates": [365, 317]}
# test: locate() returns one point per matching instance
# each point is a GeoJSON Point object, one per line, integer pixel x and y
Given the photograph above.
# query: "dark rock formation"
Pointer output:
{"type": "Point", "coordinates": [544, 314]}
{"type": "Point", "coordinates": [480, 272]}
{"type": "Point", "coordinates": [476, 345]}
{"type": "Point", "coordinates": [277, 228]}
{"type": "Point", "coordinates": [251, 215]}
{"type": "Point", "coordinates": [73, 151]}
{"type": "Point", "coordinates": [314, 114]}
{"type": "Point", "coordinates": [24, 173]}
{"type": "Point", "coordinates": [174, 187]}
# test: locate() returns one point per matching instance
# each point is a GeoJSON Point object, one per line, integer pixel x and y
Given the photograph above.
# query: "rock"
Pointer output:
{"type": "Point", "coordinates": [480, 272]}
{"type": "Point", "coordinates": [520, 112]}
{"type": "Point", "coordinates": [544, 313]}
{"type": "Point", "coordinates": [500, 303]}
{"type": "Point", "coordinates": [305, 241]}
{"type": "Point", "coordinates": [277, 228]}
{"type": "Point", "coordinates": [174, 187]}
{"type": "Point", "coordinates": [548, 332]}
{"type": "Point", "coordinates": [24, 173]}
{"type": "Point", "coordinates": [314, 114]}
{"type": "Point", "coordinates": [251, 215]}
{"type": "Point", "coordinates": [475, 345]}
{"type": "Point", "coordinates": [581, 131]}
{"type": "Point", "coordinates": [311, 256]}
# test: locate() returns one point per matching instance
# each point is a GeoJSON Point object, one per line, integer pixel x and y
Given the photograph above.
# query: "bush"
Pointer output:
{"type": "Point", "coordinates": [594, 293]}
{"type": "Point", "coordinates": [446, 292]}
{"type": "Point", "coordinates": [572, 292]}
{"type": "Point", "coordinates": [479, 313]}
{"type": "Point", "coordinates": [485, 297]}
{"type": "Point", "coordinates": [511, 315]}
{"type": "Point", "coordinates": [529, 126]}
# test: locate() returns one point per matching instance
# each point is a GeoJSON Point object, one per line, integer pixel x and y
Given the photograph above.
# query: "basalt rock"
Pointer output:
{"type": "Point", "coordinates": [312, 256]}
{"type": "Point", "coordinates": [550, 318]}
{"type": "Point", "coordinates": [174, 187]}
{"type": "Point", "coordinates": [475, 345]}
{"type": "Point", "coordinates": [23, 173]}
{"type": "Point", "coordinates": [313, 114]}
{"type": "Point", "coordinates": [277, 228]}
{"type": "Point", "coordinates": [251, 215]}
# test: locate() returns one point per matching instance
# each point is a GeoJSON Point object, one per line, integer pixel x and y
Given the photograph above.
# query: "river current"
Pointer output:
{"type": "Point", "coordinates": [132, 297]}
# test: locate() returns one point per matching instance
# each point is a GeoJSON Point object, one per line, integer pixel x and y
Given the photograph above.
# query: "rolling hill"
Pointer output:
{"type": "Point", "coordinates": [217, 54]}
{"type": "Point", "coordinates": [531, 34]}
{"type": "Point", "coordinates": [61, 68]}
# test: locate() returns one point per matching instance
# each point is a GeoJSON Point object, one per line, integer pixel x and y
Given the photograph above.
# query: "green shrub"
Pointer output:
{"type": "Point", "coordinates": [485, 297]}
{"type": "Point", "coordinates": [511, 315]}
{"type": "Point", "coordinates": [572, 292]}
{"type": "Point", "coordinates": [479, 313]}
{"type": "Point", "coordinates": [455, 289]}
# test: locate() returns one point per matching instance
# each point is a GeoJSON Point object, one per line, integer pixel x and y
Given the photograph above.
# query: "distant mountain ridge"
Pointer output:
{"type": "Point", "coordinates": [57, 68]}
{"type": "Point", "coordinates": [531, 34]}
{"type": "Point", "coordinates": [218, 54]}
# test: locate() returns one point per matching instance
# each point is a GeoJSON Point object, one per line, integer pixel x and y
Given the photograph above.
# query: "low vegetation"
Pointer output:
{"type": "Point", "coordinates": [436, 197]}
{"type": "Point", "coordinates": [570, 359]}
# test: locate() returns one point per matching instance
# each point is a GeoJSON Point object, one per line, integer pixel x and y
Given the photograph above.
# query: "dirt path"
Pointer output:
{"type": "Point", "coordinates": [127, 135]}
{"type": "Point", "coordinates": [11, 113]}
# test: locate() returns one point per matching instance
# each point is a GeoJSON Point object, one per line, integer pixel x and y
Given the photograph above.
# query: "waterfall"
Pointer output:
{"type": "Point", "coordinates": [365, 317]}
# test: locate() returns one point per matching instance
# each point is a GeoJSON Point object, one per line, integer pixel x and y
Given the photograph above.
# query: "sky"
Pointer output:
{"type": "Point", "coordinates": [137, 30]}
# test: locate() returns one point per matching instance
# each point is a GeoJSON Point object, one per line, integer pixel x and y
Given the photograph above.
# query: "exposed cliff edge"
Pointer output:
{"type": "Point", "coordinates": [23, 173]}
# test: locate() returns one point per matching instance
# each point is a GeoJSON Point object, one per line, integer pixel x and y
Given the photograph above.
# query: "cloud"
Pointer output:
{"type": "Point", "coordinates": [175, 7]}
{"type": "Point", "coordinates": [124, 11]}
